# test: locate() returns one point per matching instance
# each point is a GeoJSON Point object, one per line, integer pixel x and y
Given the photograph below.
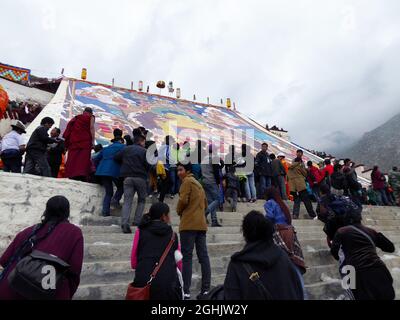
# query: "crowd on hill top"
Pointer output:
{"type": "Point", "coordinates": [270, 266]}
{"type": "Point", "coordinates": [23, 111]}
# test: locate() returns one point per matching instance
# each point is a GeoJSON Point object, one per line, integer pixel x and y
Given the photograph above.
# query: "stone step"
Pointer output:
{"type": "Point", "coordinates": [386, 213]}
{"type": "Point", "coordinates": [116, 271]}
{"type": "Point", "coordinates": [236, 221]}
{"type": "Point", "coordinates": [314, 239]}
{"type": "Point", "coordinates": [107, 251]}
{"type": "Point", "coordinates": [329, 290]}
{"type": "Point", "coordinates": [88, 230]}
{"type": "Point", "coordinates": [326, 290]}
{"type": "Point", "coordinates": [117, 290]}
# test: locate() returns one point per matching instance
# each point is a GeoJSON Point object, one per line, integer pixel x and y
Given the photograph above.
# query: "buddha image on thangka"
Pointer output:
{"type": "Point", "coordinates": [162, 116]}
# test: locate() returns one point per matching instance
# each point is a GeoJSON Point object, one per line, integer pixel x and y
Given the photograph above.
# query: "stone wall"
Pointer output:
{"type": "Point", "coordinates": [23, 199]}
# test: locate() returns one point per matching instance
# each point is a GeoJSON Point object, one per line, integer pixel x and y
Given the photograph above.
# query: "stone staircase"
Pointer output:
{"type": "Point", "coordinates": [107, 273]}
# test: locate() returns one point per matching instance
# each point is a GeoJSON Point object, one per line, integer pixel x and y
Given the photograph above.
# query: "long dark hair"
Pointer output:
{"type": "Point", "coordinates": [156, 211]}
{"type": "Point", "coordinates": [256, 228]}
{"type": "Point", "coordinates": [57, 210]}
{"type": "Point", "coordinates": [272, 193]}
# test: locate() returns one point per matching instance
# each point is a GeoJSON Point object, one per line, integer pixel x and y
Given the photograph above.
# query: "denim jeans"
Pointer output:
{"type": "Point", "coordinates": [298, 271]}
{"type": "Point", "coordinates": [316, 193]}
{"type": "Point", "coordinates": [12, 161]}
{"type": "Point", "coordinates": [212, 194]}
{"type": "Point", "coordinates": [282, 187]}
{"type": "Point", "coordinates": [232, 197]}
{"type": "Point", "coordinates": [131, 186]}
{"type": "Point", "coordinates": [382, 197]}
{"type": "Point", "coordinates": [265, 183]}
{"type": "Point", "coordinates": [188, 240]}
{"type": "Point", "coordinates": [174, 180]}
{"type": "Point", "coordinates": [250, 187]}
{"type": "Point", "coordinates": [109, 196]}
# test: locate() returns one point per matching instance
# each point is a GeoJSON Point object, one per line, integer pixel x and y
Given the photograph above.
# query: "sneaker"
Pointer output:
{"type": "Point", "coordinates": [295, 217]}
{"type": "Point", "coordinates": [187, 297]}
{"type": "Point", "coordinates": [202, 296]}
{"type": "Point", "coordinates": [172, 196]}
{"type": "Point", "coordinates": [126, 229]}
{"type": "Point", "coordinates": [106, 215]}
{"type": "Point", "coordinates": [216, 225]}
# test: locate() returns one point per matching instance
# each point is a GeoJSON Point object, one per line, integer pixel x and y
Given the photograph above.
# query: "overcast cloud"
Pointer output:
{"type": "Point", "coordinates": [327, 71]}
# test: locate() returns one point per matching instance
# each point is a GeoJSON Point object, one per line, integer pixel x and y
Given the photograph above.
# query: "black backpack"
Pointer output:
{"type": "Point", "coordinates": [340, 210]}
{"type": "Point", "coordinates": [338, 181]}
{"type": "Point", "coordinates": [32, 267]}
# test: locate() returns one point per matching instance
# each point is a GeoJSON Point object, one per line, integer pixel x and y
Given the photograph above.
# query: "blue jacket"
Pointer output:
{"type": "Point", "coordinates": [107, 166]}
{"type": "Point", "coordinates": [275, 213]}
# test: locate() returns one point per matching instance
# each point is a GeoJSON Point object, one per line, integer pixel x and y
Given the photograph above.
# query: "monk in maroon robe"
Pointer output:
{"type": "Point", "coordinates": [79, 141]}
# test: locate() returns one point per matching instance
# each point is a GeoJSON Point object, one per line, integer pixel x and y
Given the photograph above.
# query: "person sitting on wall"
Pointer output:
{"type": "Point", "coordinates": [13, 147]}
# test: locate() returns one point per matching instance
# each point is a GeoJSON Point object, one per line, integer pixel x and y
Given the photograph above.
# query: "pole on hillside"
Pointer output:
{"type": "Point", "coordinates": [131, 85]}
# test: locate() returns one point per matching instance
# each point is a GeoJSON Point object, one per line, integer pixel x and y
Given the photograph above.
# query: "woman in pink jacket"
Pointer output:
{"type": "Point", "coordinates": [150, 241]}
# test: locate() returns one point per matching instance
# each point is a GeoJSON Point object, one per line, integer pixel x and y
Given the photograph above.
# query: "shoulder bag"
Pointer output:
{"type": "Point", "coordinates": [135, 293]}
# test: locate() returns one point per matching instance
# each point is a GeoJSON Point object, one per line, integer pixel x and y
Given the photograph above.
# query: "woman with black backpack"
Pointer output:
{"type": "Point", "coordinates": [53, 245]}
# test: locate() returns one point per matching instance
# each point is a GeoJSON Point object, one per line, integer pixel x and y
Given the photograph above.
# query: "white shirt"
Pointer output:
{"type": "Point", "coordinates": [12, 141]}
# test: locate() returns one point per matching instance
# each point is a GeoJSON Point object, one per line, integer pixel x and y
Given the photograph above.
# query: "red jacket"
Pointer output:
{"type": "Point", "coordinates": [314, 176]}
{"type": "Point", "coordinates": [328, 169]}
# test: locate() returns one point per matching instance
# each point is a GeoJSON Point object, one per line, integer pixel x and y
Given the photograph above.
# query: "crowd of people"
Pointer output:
{"type": "Point", "coordinates": [270, 266]}
{"type": "Point", "coordinates": [25, 112]}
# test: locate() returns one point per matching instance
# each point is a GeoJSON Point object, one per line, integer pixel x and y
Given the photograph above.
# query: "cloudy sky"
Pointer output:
{"type": "Point", "coordinates": [327, 71]}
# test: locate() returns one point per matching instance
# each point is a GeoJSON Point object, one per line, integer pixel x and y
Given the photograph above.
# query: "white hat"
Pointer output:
{"type": "Point", "coordinates": [18, 124]}
{"type": "Point", "coordinates": [281, 155]}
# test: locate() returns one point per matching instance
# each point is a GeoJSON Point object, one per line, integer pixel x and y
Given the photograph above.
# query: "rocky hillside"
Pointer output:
{"type": "Point", "coordinates": [380, 146]}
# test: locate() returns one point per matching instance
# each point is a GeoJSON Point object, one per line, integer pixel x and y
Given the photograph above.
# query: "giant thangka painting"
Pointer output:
{"type": "Point", "coordinates": [126, 109]}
